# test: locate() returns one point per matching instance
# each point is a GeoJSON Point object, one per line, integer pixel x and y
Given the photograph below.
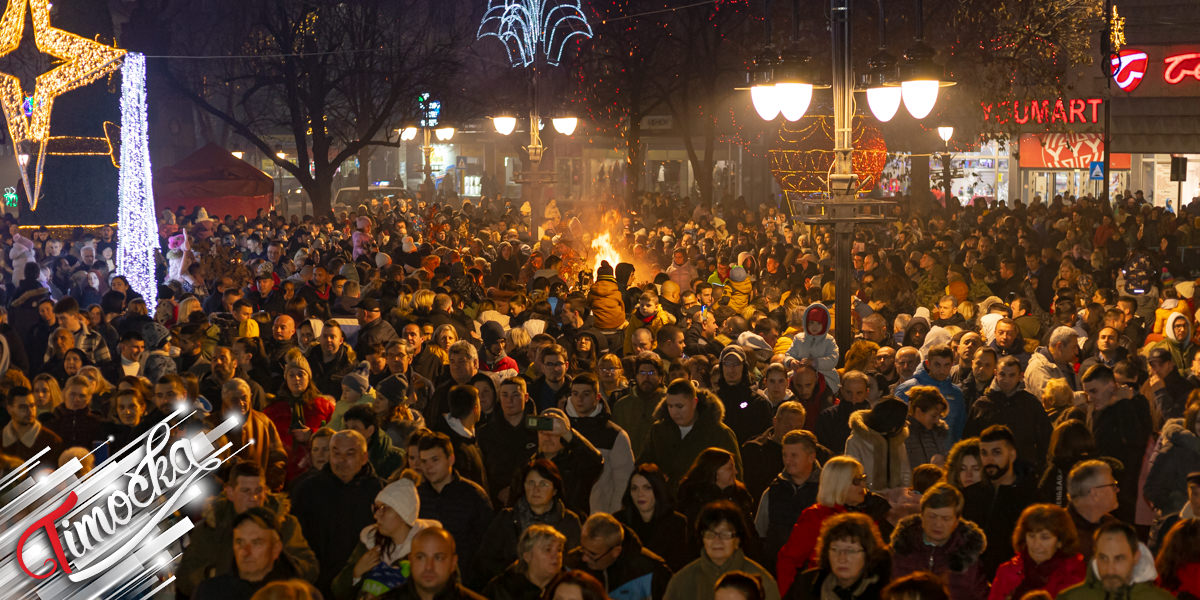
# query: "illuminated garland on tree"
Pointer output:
{"type": "Point", "coordinates": [136, 225]}
{"type": "Point", "coordinates": [528, 27]}
{"type": "Point", "coordinates": [803, 155]}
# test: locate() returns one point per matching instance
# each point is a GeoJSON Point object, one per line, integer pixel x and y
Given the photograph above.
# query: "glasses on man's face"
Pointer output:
{"type": "Point", "coordinates": [589, 555]}
{"type": "Point", "coordinates": [608, 369]}
{"type": "Point", "coordinates": [649, 373]}
{"type": "Point", "coordinates": [713, 535]}
{"type": "Point", "coordinates": [1114, 485]}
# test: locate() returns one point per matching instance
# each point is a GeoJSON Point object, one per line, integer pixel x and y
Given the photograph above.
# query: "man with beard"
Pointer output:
{"type": "Point", "coordinates": [634, 412]}
{"type": "Point", "coordinates": [995, 504]}
{"type": "Point", "coordinates": [1118, 570]}
{"type": "Point", "coordinates": [1008, 404]}
{"type": "Point", "coordinates": [1007, 341]}
{"type": "Point", "coordinates": [884, 368]}
{"type": "Point", "coordinates": [977, 382]}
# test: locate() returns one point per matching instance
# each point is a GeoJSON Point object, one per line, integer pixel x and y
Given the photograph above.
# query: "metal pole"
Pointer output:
{"type": "Point", "coordinates": [1107, 99]}
{"type": "Point", "coordinates": [842, 182]}
{"type": "Point", "coordinates": [946, 174]}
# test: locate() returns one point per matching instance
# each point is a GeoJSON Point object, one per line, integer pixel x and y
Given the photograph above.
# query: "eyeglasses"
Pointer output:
{"type": "Point", "coordinates": [845, 551]}
{"type": "Point", "coordinates": [712, 536]}
{"type": "Point", "coordinates": [1114, 485]}
{"type": "Point", "coordinates": [650, 373]}
{"type": "Point", "coordinates": [588, 554]}
{"type": "Point", "coordinates": [608, 369]}
{"type": "Point", "coordinates": [859, 480]}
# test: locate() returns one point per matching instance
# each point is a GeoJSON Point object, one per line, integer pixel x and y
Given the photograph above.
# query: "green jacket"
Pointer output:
{"type": "Point", "coordinates": [635, 413]}
{"type": "Point", "coordinates": [1143, 587]}
{"type": "Point", "coordinates": [674, 453]}
{"type": "Point", "coordinates": [210, 551]}
{"type": "Point", "coordinates": [696, 580]}
{"type": "Point", "coordinates": [386, 457]}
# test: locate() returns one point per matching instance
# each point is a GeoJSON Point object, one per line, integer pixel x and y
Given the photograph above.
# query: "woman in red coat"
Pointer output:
{"type": "Point", "coordinates": [297, 412]}
{"type": "Point", "coordinates": [842, 484]}
{"type": "Point", "coordinates": [1046, 558]}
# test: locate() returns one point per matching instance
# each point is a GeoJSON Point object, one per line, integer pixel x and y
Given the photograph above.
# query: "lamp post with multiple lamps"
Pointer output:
{"type": "Point", "coordinates": [779, 86]}
{"type": "Point", "coordinates": [428, 124]}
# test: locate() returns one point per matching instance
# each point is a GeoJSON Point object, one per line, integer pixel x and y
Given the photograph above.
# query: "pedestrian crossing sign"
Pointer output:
{"type": "Point", "coordinates": [1096, 171]}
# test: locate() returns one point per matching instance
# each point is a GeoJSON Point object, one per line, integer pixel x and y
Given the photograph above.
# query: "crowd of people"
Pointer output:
{"type": "Point", "coordinates": [435, 404]}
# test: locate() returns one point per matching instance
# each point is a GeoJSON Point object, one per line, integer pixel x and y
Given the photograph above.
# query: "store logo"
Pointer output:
{"type": "Point", "coordinates": [1128, 68]}
{"type": "Point", "coordinates": [1181, 66]}
{"type": "Point", "coordinates": [102, 533]}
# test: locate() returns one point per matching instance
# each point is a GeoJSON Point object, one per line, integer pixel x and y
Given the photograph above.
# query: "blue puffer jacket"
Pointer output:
{"type": "Point", "coordinates": [957, 417]}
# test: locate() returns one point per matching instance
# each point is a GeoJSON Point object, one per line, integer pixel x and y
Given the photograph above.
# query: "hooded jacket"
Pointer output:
{"type": "Point", "coordinates": [636, 574]}
{"type": "Point", "coordinates": [820, 348]}
{"type": "Point", "coordinates": [1022, 412]}
{"type": "Point", "coordinates": [653, 323]}
{"type": "Point", "coordinates": [697, 580]}
{"type": "Point", "coordinates": [1042, 369]}
{"type": "Point", "coordinates": [674, 453]}
{"type": "Point", "coordinates": [1141, 585]}
{"type": "Point", "coordinates": [884, 459]}
{"type": "Point", "coordinates": [345, 585]}
{"type": "Point", "coordinates": [1177, 454]}
{"type": "Point", "coordinates": [956, 418]}
{"type": "Point", "coordinates": [208, 553]}
{"type": "Point", "coordinates": [607, 306]}
{"type": "Point", "coordinates": [957, 561]}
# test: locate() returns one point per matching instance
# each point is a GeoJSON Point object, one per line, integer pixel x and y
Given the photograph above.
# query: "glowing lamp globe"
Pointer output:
{"type": "Point", "coordinates": [408, 134]}
{"type": "Point", "coordinates": [919, 96]}
{"type": "Point", "coordinates": [945, 133]}
{"type": "Point", "coordinates": [565, 125]}
{"type": "Point", "coordinates": [884, 102]}
{"type": "Point", "coordinates": [793, 99]}
{"type": "Point", "coordinates": [504, 125]}
{"type": "Point", "coordinates": [444, 133]}
{"type": "Point", "coordinates": [766, 101]}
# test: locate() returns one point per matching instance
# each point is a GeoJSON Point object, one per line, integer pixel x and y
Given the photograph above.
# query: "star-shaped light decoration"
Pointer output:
{"type": "Point", "coordinates": [82, 62]}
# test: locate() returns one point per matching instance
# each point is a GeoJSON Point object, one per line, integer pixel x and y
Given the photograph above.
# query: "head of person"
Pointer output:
{"type": "Point", "coordinates": [721, 527]}
{"type": "Point", "coordinates": [256, 543]}
{"type": "Point", "coordinates": [297, 377]}
{"type": "Point", "coordinates": [331, 337]}
{"type": "Point", "coordinates": [585, 394]}
{"type": "Point", "coordinates": [513, 397]}
{"type": "Point", "coordinates": [553, 363]}
{"type": "Point", "coordinates": [939, 361]}
{"type": "Point", "coordinates": [22, 408]}
{"type": "Point", "coordinates": [921, 585]}
{"type": "Point", "coordinates": [1006, 333]}
{"type": "Point", "coordinates": [131, 346]}
{"type": "Point", "coordinates": [906, 361]}
{"type": "Point", "coordinates": [236, 398]}
{"type": "Point", "coordinates": [245, 486]}
{"type": "Point", "coordinates": [856, 388]}
{"type": "Point", "coordinates": [347, 454]}
{"type": "Point", "coordinates": [1100, 384]}
{"type": "Point", "coordinates": [647, 494]}
{"type": "Point", "coordinates": [318, 455]}
{"type": "Point", "coordinates": [284, 328]}
{"type": "Point", "coordinates": [574, 584]}
{"type": "Point", "coordinates": [643, 340]}
{"type": "Point", "coordinates": [1178, 550]}
{"type": "Point", "coordinates": [964, 466]}
{"type": "Point", "coordinates": [77, 393]}
{"type": "Point", "coordinates": [541, 485]}
{"type": "Point", "coordinates": [540, 551]}
{"type": "Point", "coordinates": [435, 453]}
{"type": "Point", "coordinates": [739, 585]}
{"type": "Point", "coordinates": [733, 364]}
{"type": "Point", "coordinates": [997, 451]}
{"type": "Point", "coordinates": [1044, 530]}
{"type": "Point", "coordinates": [681, 402]}
{"type": "Point", "coordinates": [433, 560]}
{"type": "Point", "coordinates": [648, 372]}
{"type": "Point", "coordinates": [396, 508]}
{"type": "Point", "coordinates": [1115, 553]}
{"type": "Point", "coordinates": [1064, 345]}
{"type": "Point", "coordinates": [941, 508]}
{"type": "Point", "coordinates": [601, 540]}
{"type": "Point", "coordinates": [843, 483]}
{"type": "Point", "coordinates": [1008, 375]}
{"type": "Point", "coordinates": [799, 454]}
{"type": "Point", "coordinates": [850, 547]}
{"type": "Point", "coordinates": [983, 364]}
{"type": "Point", "coordinates": [1092, 488]}
{"type": "Point", "coordinates": [713, 466]}
{"type": "Point", "coordinates": [464, 361]}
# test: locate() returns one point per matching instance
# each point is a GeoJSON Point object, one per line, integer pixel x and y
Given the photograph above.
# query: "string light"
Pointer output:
{"type": "Point", "coordinates": [136, 224]}
{"type": "Point", "coordinates": [803, 155]}
{"type": "Point", "coordinates": [527, 26]}
{"type": "Point", "coordinates": [83, 61]}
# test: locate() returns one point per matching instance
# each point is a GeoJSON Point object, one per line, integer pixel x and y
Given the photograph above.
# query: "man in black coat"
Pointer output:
{"type": "Point", "coordinates": [1121, 426]}
{"type": "Point", "coordinates": [746, 413]}
{"type": "Point", "coordinates": [1171, 390]}
{"type": "Point", "coordinates": [459, 427]}
{"type": "Point", "coordinates": [615, 556]}
{"type": "Point", "coordinates": [763, 455]}
{"type": "Point", "coordinates": [1008, 403]}
{"type": "Point", "coordinates": [833, 424]}
{"type": "Point", "coordinates": [459, 504]}
{"type": "Point", "coordinates": [505, 440]}
{"type": "Point", "coordinates": [256, 548]}
{"type": "Point", "coordinates": [336, 504]}
{"type": "Point", "coordinates": [996, 503]}
{"type": "Point", "coordinates": [793, 490]}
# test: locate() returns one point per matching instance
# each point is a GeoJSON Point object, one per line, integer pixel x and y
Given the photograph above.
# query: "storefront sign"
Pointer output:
{"type": "Point", "coordinates": [1043, 112]}
{"type": "Point", "coordinates": [1181, 66]}
{"type": "Point", "coordinates": [1128, 68]}
{"type": "Point", "coordinates": [1066, 151]}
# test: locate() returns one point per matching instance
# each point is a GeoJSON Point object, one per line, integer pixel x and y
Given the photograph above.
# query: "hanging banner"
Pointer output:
{"type": "Point", "coordinates": [1066, 151]}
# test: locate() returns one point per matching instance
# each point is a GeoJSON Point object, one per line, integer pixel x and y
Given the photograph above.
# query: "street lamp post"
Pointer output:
{"type": "Point", "coordinates": [428, 124]}
{"type": "Point", "coordinates": [918, 81]}
{"type": "Point", "coordinates": [279, 200]}
{"type": "Point", "coordinates": [945, 133]}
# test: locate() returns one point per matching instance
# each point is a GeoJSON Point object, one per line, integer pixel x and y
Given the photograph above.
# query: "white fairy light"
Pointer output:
{"type": "Point", "coordinates": [136, 225]}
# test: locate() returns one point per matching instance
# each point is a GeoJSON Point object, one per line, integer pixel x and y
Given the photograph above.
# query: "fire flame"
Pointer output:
{"type": "Point", "coordinates": [603, 250]}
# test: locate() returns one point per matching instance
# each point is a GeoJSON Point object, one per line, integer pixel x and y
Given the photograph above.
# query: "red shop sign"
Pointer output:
{"type": "Point", "coordinates": [1130, 65]}
{"type": "Point", "coordinates": [1180, 66]}
{"type": "Point", "coordinates": [1043, 112]}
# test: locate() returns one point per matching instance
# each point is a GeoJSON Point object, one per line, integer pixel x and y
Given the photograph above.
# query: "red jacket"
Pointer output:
{"type": "Point", "coordinates": [799, 553]}
{"type": "Point", "coordinates": [316, 416]}
{"type": "Point", "coordinates": [1061, 571]}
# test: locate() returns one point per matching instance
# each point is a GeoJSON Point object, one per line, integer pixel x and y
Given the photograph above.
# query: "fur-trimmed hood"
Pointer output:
{"type": "Point", "coordinates": [965, 546]}
{"type": "Point", "coordinates": [708, 408]}
{"type": "Point", "coordinates": [858, 426]}
{"type": "Point", "coordinates": [1174, 433]}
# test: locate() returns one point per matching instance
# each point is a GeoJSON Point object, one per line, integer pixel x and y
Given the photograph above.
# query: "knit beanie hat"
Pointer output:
{"type": "Point", "coordinates": [604, 269]}
{"type": "Point", "coordinates": [301, 363]}
{"type": "Point", "coordinates": [491, 332]}
{"type": "Point", "coordinates": [358, 380]}
{"type": "Point", "coordinates": [401, 496]}
{"type": "Point", "coordinates": [887, 417]}
{"type": "Point", "coordinates": [737, 274]}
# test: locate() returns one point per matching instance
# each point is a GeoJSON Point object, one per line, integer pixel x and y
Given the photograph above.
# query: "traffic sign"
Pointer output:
{"type": "Point", "coordinates": [1096, 171]}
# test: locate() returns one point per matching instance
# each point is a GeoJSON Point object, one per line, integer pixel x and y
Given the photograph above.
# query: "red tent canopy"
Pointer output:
{"type": "Point", "coordinates": [215, 179]}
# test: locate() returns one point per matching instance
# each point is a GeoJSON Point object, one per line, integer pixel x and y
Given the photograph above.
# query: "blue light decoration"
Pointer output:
{"type": "Point", "coordinates": [10, 196]}
{"type": "Point", "coordinates": [431, 110]}
{"type": "Point", "coordinates": [27, 106]}
{"type": "Point", "coordinates": [136, 225]}
{"type": "Point", "coordinates": [528, 27]}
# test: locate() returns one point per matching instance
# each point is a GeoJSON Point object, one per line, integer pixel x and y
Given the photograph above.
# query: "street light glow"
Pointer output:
{"type": "Point", "coordinates": [444, 133]}
{"type": "Point", "coordinates": [565, 125]}
{"type": "Point", "coordinates": [945, 133]}
{"type": "Point", "coordinates": [408, 134]}
{"type": "Point", "coordinates": [793, 99]}
{"type": "Point", "coordinates": [766, 101]}
{"type": "Point", "coordinates": [884, 102]}
{"type": "Point", "coordinates": [919, 96]}
{"type": "Point", "coordinates": [504, 125]}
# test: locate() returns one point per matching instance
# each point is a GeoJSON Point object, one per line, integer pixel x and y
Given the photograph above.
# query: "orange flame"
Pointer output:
{"type": "Point", "coordinates": [603, 250]}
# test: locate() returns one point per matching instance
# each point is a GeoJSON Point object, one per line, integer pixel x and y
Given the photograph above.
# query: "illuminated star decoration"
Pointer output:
{"type": "Point", "coordinates": [83, 61]}
{"type": "Point", "coordinates": [528, 27]}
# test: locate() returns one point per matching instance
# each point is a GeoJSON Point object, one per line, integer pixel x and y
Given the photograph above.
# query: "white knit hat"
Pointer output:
{"type": "Point", "coordinates": [401, 496]}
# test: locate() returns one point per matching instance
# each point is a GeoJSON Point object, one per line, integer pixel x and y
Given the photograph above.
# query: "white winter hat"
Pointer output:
{"type": "Point", "coordinates": [401, 496]}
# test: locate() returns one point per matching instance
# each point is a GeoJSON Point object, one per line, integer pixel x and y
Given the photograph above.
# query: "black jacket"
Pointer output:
{"type": "Point", "coordinates": [833, 425]}
{"type": "Point", "coordinates": [667, 535]}
{"type": "Point", "coordinates": [996, 509]}
{"type": "Point", "coordinates": [808, 585]}
{"type": "Point", "coordinates": [636, 574]}
{"type": "Point", "coordinates": [1122, 431]}
{"type": "Point", "coordinates": [580, 464]}
{"type": "Point", "coordinates": [463, 509]}
{"type": "Point", "coordinates": [332, 513]}
{"type": "Point", "coordinates": [498, 546]}
{"type": "Point", "coordinates": [746, 413]}
{"type": "Point", "coordinates": [1023, 414]}
{"type": "Point", "coordinates": [511, 584]}
{"type": "Point", "coordinates": [468, 460]}
{"type": "Point", "coordinates": [507, 448]}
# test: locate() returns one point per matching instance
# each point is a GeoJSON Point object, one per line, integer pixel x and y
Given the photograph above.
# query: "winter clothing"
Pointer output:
{"type": "Point", "coordinates": [1020, 575]}
{"type": "Point", "coordinates": [605, 302]}
{"type": "Point", "coordinates": [884, 458]}
{"type": "Point", "coordinates": [1141, 586]}
{"type": "Point", "coordinates": [386, 575]}
{"type": "Point", "coordinates": [498, 547]}
{"type": "Point", "coordinates": [746, 413]}
{"type": "Point", "coordinates": [636, 574]}
{"type": "Point", "coordinates": [996, 510]}
{"type": "Point", "coordinates": [653, 323]}
{"type": "Point", "coordinates": [1021, 412]}
{"type": "Point", "coordinates": [923, 444]}
{"type": "Point", "coordinates": [1123, 431]}
{"type": "Point", "coordinates": [799, 553]}
{"type": "Point", "coordinates": [1177, 454]}
{"type": "Point", "coordinates": [779, 508]}
{"type": "Point", "coordinates": [287, 408]}
{"type": "Point", "coordinates": [468, 459]}
{"type": "Point", "coordinates": [820, 348]}
{"type": "Point", "coordinates": [957, 561]}
{"type": "Point", "coordinates": [463, 509]}
{"type": "Point", "coordinates": [580, 464]}
{"type": "Point", "coordinates": [613, 444]}
{"type": "Point", "coordinates": [1042, 369]}
{"type": "Point", "coordinates": [511, 584]}
{"type": "Point", "coordinates": [697, 580]}
{"type": "Point", "coordinates": [507, 448]}
{"type": "Point", "coordinates": [674, 452]}
{"type": "Point", "coordinates": [820, 584]}
{"type": "Point", "coordinates": [333, 532]}
{"type": "Point", "coordinates": [833, 425]}
{"type": "Point", "coordinates": [956, 418]}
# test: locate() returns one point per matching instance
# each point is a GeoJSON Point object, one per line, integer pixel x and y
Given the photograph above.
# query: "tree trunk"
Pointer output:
{"type": "Point", "coordinates": [364, 169]}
